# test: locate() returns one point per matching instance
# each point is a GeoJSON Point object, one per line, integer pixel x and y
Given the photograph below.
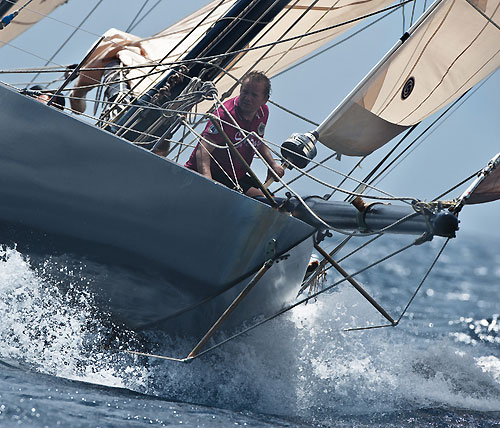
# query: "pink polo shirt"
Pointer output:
{"type": "Point", "coordinates": [257, 125]}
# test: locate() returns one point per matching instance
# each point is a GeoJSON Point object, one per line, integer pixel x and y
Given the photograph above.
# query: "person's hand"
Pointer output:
{"type": "Point", "coordinates": [278, 169]}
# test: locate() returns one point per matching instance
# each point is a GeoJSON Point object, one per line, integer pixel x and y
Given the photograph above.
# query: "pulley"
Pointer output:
{"type": "Point", "coordinates": [299, 149]}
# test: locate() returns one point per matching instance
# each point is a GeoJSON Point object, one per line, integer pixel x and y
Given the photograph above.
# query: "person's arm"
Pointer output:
{"type": "Point", "coordinates": [203, 158]}
{"type": "Point", "coordinates": [277, 168]}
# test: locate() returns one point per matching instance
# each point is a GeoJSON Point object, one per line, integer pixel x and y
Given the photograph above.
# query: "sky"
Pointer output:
{"type": "Point", "coordinates": [461, 145]}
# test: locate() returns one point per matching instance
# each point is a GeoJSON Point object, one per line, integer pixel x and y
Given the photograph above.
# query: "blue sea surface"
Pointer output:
{"type": "Point", "coordinates": [439, 368]}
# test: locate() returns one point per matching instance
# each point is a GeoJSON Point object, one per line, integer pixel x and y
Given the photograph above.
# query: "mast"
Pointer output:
{"type": "Point", "coordinates": [232, 32]}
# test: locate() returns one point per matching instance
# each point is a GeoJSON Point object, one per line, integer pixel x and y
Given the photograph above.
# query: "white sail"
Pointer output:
{"type": "Point", "coordinates": [453, 47]}
{"type": "Point", "coordinates": [35, 11]}
{"type": "Point", "coordinates": [298, 18]}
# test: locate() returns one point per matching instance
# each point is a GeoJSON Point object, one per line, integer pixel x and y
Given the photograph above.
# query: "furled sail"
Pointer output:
{"type": "Point", "coordinates": [298, 18]}
{"type": "Point", "coordinates": [35, 11]}
{"type": "Point", "coordinates": [451, 48]}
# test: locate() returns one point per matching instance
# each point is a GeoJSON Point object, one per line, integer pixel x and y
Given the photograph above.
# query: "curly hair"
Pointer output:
{"type": "Point", "coordinates": [259, 76]}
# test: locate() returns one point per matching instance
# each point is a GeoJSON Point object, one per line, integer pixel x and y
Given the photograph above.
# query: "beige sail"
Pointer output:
{"type": "Point", "coordinates": [30, 15]}
{"type": "Point", "coordinates": [456, 45]}
{"type": "Point", "coordinates": [298, 18]}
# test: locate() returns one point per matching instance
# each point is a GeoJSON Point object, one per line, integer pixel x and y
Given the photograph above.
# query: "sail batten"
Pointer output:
{"type": "Point", "coordinates": [446, 53]}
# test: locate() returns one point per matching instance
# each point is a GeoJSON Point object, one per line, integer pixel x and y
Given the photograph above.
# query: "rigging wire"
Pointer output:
{"type": "Point", "coordinates": [248, 49]}
{"type": "Point", "coordinates": [158, 63]}
{"type": "Point", "coordinates": [452, 109]}
{"type": "Point", "coordinates": [256, 41]}
{"type": "Point", "coordinates": [215, 57]}
{"type": "Point", "coordinates": [349, 174]}
{"type": "Point", "coordinates": [145, 15]}
{"type": "Point", "coordinates": [403, 17]}
{"type": "Point", "coordinates": [49, 61]}
{"type": "Point", "coordinates": [130, 26]}
{"type": "Point", "coordinates": [289, 39]}
{"type": "Point", "coordinates": [167, 64]}
{"type": "Point", "coordinates": [413, 12]}
{"type": "Point", "coordinates": [456, 186]}
{"type": "Point", "coordinates": [304, 300]}
{"type": "Point", "coordinates": [412, 298]}
{"type": "Point", "coordinates": [386, 168]}
{"type": "Point", "coordinates": [333, 45]}
{"type": "Point", "coordinates": [354, 194]}
{"type": "Point", "coordinates": [295, 23]}
{"type": "Point", "coordinates": [423, 279]}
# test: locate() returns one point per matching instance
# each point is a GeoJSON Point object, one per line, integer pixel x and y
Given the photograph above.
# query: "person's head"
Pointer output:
{"type": "Point", "coordinates": [45, 96]}
{"type": "Point", "coordinates": [254, 92]}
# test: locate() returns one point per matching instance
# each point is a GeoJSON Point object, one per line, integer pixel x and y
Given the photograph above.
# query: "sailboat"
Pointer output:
{"type": "Point", "coordinates": [91, 181]}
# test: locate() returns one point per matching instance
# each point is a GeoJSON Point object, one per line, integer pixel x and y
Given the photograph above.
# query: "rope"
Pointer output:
{"type": "Point", "coordinates": [316, 165]}
{"type": "Point", "coordinates": [309, 58]}
{"type": "Point", "coordinates": [173, 49]}
{"type": "Point", "coordinates": [412, 297]}
{"type": "Point", "coordinates": [302, 301]}
{"type": "Point", "coordinates": [145, 15]}
{"type": "Point", "coordinates": [293, 113]}
{"type": "Point", "coordinates": [215, 57]}
{"type": "Point", "coordinates": [69, 38]}
{"type": "Point", "coordinates": [455, 106]}
{"type": "Point", "coordinates": [329, 226]}
{"type": "Point", "coordinates": [130, 26]}
{"type": "Point", "coordinates": [247, 134]}
{"type": "Point", "coordinates": [424, 278]}
{"type": "Point", "coordinates": [355, 194]}
{"type": "Point", "coordinates": [202, 138]}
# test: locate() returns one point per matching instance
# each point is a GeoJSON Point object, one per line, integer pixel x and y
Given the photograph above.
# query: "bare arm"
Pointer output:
{"type": "Point", "coordinates": [277, 168]}
{"type": "Point", "coordinates": [203, 158]}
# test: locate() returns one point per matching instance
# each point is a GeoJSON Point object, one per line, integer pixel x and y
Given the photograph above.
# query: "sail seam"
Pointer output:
{"type": "Point", "coordinates": [416, 61]}
{"type": "Point", "coordinates": [233, 65]}
{"type": "Point", "coordinates": [296, 42]}
{"type": "Point", "coordinates": [451, 66]}
{"type": "Point", "coordinates": [490, 20]}
{"type": "Point", "coordinates": [468, 80]}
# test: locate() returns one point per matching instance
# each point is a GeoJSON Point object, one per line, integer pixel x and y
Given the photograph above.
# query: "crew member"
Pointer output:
{"type": "Point", "coordinates": [250, 112]}
{"type": "Point", "coordinates": [44, 97]}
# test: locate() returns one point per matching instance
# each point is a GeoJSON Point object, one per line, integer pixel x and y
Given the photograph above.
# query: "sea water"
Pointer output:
{"type": "Point", "coordinates": [439, 368]}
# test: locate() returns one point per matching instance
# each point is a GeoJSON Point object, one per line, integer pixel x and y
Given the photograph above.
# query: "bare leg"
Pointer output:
{"type": "Point", "coordinates": [253, 192]}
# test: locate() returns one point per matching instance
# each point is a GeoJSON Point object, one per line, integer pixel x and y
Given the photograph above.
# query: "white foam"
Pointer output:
{"type": "Point", "coordinates": [303, 364]}
{"type": "Point", "coordinates": [54, 332]}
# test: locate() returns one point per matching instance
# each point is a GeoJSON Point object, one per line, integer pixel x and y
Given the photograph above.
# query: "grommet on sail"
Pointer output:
{"type": "Point", "coordinates": [450, 49]}
{"type": "Point", "coordinates": [119, 185]}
